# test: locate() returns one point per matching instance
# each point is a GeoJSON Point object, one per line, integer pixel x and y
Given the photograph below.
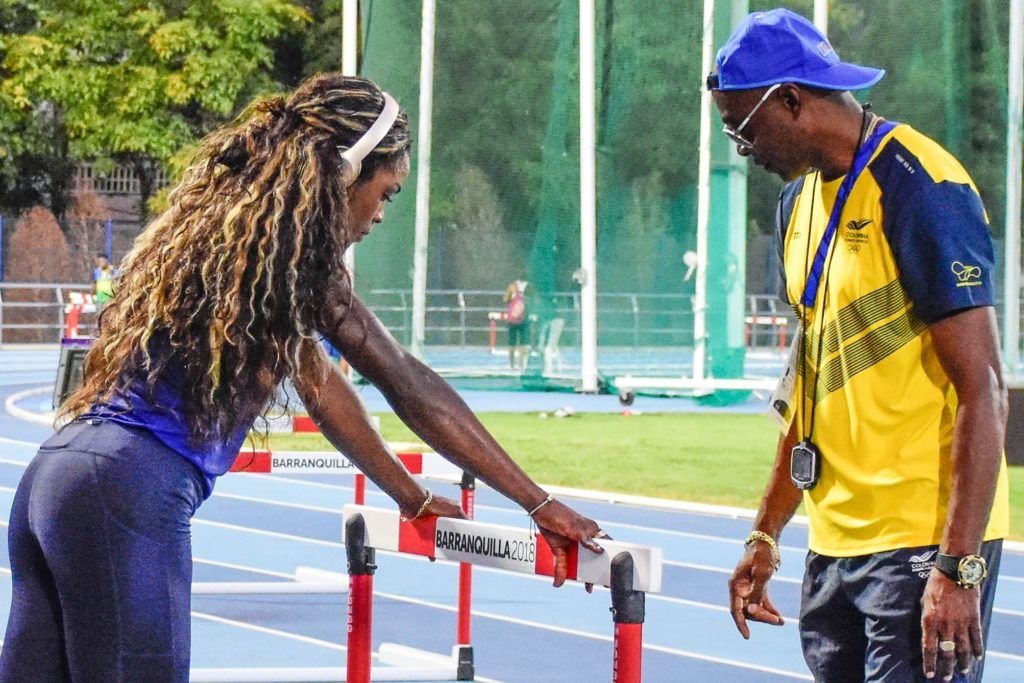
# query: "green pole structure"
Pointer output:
{"type": "Point", "coordinates": [726, 268]}
{"type": "Point", "coordinates": [556, 209]}
{"type": "Point", "coordinates": [956, 74]}
{"type": "Point", "coordinates": [390, 53]}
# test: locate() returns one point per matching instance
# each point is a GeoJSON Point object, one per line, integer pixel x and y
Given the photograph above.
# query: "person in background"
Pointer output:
{"type": "Point", "coordinates": [518, 323]}
{"type": "Point", "coordinates": [102, 283]}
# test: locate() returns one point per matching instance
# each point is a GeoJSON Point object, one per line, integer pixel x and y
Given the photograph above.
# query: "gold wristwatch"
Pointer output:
{"type": "Point", "coordinates": [967, 570]}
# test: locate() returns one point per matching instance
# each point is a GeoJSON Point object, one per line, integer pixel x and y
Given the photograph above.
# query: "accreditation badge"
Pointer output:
{"type": "Point", "coordinates": [780, 405]}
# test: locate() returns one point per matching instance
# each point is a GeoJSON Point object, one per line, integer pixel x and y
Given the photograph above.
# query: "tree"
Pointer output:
{"type": "Point", "coordinates": [86, 226]}
{"type": "Point", "coordinates": [128, 81]}
{"type": "Point", "coordinates": [41, 249]}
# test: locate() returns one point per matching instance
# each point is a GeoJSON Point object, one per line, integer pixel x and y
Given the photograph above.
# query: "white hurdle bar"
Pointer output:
{"type": "Point", "coordinates": [503, 547]}
{"type": "Point", "coordinates": [423, 463]}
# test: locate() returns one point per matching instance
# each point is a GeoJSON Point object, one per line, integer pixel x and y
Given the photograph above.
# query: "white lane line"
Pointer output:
{"type": "Point", "coordinates": [17, 442]}
{"type": "Point", "coordinates": [723, 570]}
{"type": "Point", "coordinates": [634, 527]}
{"type": "Point", "coordinates": [685, 565]}
{"type": "Point", "coordinates": [1004, 655]}
{"type": "Point", "coordinates": [264, 532]}
{"type": "Point", "coordinates": [16, 463]}
{"type": "Point", "coordinates": [789, 621]}
{"type": "Point", "coordinates": [244, 568]}
{"type": "Point", "coordinates": [302, 482]}
{"type": "Point", "coordinates": [335, 544]}
{"type": "Point", "coordinates": [595, 636]}
{"type": "Point", "coordinates": [277, 503]}
{"type": "Point", "coordinates": [270, 631]}
{"type": "Point", "coordinates": [30, 415]}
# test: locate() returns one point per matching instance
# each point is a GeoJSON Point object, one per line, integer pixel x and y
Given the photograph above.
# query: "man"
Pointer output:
{"type": "Point", "coordinates": [102, 283]}
{"type": "Point", "coordinates": [899, 406]}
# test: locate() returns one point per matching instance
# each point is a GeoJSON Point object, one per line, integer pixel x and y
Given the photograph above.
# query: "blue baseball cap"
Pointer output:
{"type": "Point", "coordinates": [780, 46]}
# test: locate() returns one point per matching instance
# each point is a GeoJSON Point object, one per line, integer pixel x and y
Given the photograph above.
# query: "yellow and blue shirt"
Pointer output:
{"type": "Point", "coordinates": [912, 248]}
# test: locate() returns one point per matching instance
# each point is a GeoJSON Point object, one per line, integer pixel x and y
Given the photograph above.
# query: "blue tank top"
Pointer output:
{"type": "Point", "coordinates": [166, 419]}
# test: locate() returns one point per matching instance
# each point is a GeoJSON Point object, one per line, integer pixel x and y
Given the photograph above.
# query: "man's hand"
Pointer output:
{"type": "Point", "coordinates": [950, 614]}
{"type": "Point", "coordinates": [562, 528]}
{"type": "Point", "coordinates": [748, 589]}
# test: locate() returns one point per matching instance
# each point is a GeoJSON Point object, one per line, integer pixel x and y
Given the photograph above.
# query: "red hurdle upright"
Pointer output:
{"type": "Point", "coordinates": [463, 638]}
{"type": "Point", "coordinates": [628, 608]}
{"type": "Point", "coordinates": [360, 600]}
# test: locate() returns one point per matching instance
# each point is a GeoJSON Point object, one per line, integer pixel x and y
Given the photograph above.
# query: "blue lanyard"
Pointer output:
{"type": "Point", "coordinates": [860, 162]}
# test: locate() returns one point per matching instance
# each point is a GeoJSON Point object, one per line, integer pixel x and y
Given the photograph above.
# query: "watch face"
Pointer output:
{"type": "Point", "coordinates": [972, 570]}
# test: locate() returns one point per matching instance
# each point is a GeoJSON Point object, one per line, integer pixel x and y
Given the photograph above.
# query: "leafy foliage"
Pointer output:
{"type": "Point", "coordinates": [132, 81]}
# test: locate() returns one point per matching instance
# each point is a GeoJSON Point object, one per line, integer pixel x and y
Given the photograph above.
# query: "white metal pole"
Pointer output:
{"type": "Point", "coordinates": [350, 67]}
{"type": "Point", "coordinates": [821, 15]}
{"type": "Point", "coordinates": [703, 199]}
{"type": "Point", "coordinates": [419, 258]}
{"type": "Point", "coordinates": [588, 200]}
{"type": "Point", "coordinates": [350, 37]}
{"type": "Point", "coordinates": [1012, 267]}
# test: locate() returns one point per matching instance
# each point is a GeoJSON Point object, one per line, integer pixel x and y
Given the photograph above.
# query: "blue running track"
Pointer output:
{"type": "Point", "coordinates": [258, 528]}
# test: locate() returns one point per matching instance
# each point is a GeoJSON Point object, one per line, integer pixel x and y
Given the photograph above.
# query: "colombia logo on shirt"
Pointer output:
{"type": "Point", "coordinates": [855, 237]}
{"type": "Point", "coordinates": [966, 275]}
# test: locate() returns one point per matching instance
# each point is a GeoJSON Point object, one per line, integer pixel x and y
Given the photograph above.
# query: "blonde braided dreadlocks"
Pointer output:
{"type": "Point", "coordinates": [233, 271]}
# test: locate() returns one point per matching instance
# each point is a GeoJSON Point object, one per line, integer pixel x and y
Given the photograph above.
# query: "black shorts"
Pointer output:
{"type": "Point", "coordinates": [516, 334]}
{"type": "Point", "coordinates": [860, 617]}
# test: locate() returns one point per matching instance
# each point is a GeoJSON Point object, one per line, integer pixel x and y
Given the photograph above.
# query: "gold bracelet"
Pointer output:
{"type": "Point", "coordinates": [544, 502]}
{"type": "Point", "coordinates": [423, 507]}
{"type": "Point", "coordinates": [756, 536]}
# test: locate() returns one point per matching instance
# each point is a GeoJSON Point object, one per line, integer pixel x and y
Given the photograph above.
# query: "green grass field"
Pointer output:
{"type": "Point", "coordinates": [708, 458]}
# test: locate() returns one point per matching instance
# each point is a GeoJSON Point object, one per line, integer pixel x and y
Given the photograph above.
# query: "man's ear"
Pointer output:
{"type": "Point", "coordinates": [792, 97]}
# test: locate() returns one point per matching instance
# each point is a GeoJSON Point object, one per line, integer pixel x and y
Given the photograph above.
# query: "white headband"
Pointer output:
{"type": "Point", "coordinates": [352, 158]}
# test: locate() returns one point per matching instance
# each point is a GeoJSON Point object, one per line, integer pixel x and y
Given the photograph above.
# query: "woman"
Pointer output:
{"type": "Point", "coordinates": [222, 298]}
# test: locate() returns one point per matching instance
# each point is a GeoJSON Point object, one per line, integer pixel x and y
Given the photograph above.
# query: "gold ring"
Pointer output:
{"type": "Point", "coordinates": [947, 645]}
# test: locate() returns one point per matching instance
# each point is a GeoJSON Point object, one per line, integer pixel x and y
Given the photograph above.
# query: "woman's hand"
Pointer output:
{"type": "Point", "coordinates": [436, 506]}
{"type": "Point", "coordinates": [561, 528]}
{"type": "Point", "coordinates": [443, 507]}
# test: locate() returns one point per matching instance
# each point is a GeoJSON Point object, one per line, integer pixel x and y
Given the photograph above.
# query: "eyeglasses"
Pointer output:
{"type": "Point", "coordinates": [734, 133]}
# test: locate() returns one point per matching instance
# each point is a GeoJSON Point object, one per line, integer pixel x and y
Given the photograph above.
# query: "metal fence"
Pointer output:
{"type": "Point", "coordinates": [470, 317]}
{"type": "Point", "coordinates": [120, 180]}
{"type": "Point", "coordinates": [35, 311]}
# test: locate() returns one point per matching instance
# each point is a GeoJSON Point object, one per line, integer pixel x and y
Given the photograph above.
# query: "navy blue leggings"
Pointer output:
{"type": "Point", "coordinates": [101, 560]}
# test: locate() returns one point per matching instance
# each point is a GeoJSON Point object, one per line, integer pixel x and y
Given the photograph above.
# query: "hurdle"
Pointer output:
{"type": "Point", "coordinates": [629, 570]}
{"type": "Point", "coordinates": [309, 580]}
{"type": "Point", "coordinates": [402, 663]}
